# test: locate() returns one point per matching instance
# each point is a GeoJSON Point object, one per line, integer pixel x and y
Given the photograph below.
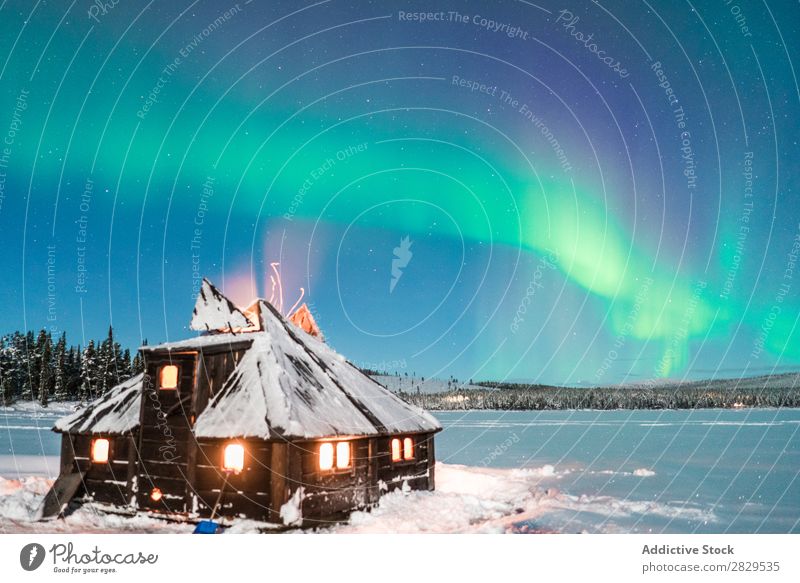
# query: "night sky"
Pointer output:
{"type": "Point", "coordinates": [575, 193]}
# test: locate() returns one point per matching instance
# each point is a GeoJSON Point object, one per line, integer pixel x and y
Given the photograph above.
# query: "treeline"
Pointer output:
{"type": "Point", "coordinates": [544, 398]}
{"type": "Point", "coordinates": [35, 367]}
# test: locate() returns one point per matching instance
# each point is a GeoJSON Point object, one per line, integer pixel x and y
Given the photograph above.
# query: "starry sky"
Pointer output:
{"type": "Point", "coordinates": [570, 193]}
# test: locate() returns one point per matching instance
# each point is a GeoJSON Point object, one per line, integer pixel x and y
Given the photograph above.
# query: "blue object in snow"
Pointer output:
{"type": "Point", "coordinates": [206, 527]}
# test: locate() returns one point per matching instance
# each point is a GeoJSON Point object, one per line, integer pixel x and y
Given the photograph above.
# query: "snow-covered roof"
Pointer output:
{"type": "Point", "coordinates": [116, 412]}
{"type": "Point", "coordinates": [215, 312]}
{"type": "Point", "coordinates": [289, 384]}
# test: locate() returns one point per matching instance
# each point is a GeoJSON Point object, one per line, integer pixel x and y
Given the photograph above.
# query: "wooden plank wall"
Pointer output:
{"type": "Point", "coordinates": [247, 494]}
{"type": "Point", "coordinates": [329, 495]}
{"type": "Point", "coordinates": [107, 482]}
{"type": "Point", "coordinates": [418, 473]}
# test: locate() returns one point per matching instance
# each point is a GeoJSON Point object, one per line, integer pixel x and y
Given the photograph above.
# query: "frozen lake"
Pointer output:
{"type": "Point", "coordinates": [707, 470]}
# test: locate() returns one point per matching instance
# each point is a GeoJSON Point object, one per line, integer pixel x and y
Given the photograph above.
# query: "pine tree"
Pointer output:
{"type": "Point", "coordinates": [74, 372]}
{"type": "Point", "coordinates": [45, 358]}
{"type": "Point", "coordinates": [6, 372]}
{"type": "Point", "coordinates": [60, 392]}
{"type": "Point", "coordinates": [125, 366]}
{"type": "Point", "coordinates": [88, 376]}
{"type": "Point", "coordinates": [28, 365]}
{"type": "Point", "coordinates": [138, 364]}
{"type": "Point", "coordinates": [110, 363]}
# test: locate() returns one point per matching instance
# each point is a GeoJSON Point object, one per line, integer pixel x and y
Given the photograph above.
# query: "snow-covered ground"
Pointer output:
{"type": "Point", "coordinates": [466, 499]}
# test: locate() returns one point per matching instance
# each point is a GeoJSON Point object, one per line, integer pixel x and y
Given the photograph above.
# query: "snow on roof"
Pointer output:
{"type": "Point", "coordinates": [215, 312]}
{"type": "Point", "coordinates": [289, 384]}
{"type": "Point", "coordinates": [200, 342]}
{"type": "Point", "coordinates": [116, 412]}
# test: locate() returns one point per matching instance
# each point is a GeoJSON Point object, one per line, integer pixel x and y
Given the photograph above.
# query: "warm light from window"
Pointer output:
{"type": "Point", "coordinates": [342, 455]}
{"type": "Point", "coordinates": [408, 448]}
{"type": "Point", "coordinates": [169, 377]}
{"type": "Point", "coordinates": [155, 494]}
{"type": "Point", "coordinates": [100, 448]}
{"type": "Point", "coordinates": [326, 456]}
{"type": "Point", "coordinates": [396, 454]}
{"type": "Point", "coordinates": [233, 460]}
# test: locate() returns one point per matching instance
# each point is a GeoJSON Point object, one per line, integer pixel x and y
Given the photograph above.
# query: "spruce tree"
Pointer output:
{"type": "Point", "coordinates": [125, 366]}
{"type": "Point", "coordinates": [45, 353]}
{"type": "Point", "coordinates": [138, 364]}
{"type": "Point", "coordinates": [74, 372]}
{"type": "Point", "coordinates": [60, 369]}
{"type": "Point", "coordinates": [6, 371]}
{"type": "Point", "coordinates": [39, 360]}
{"type": "Point", "coordinates": [88, 386]}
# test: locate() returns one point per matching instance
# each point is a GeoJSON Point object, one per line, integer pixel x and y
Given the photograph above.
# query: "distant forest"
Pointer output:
{"type": "Point", "coordinates": [35, 367]}
{"type": "Point", "coordinates": [693, 395]}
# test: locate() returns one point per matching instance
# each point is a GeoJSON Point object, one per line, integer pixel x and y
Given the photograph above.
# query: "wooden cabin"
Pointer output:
{"type": "Point", "coordinates": [255, 418]}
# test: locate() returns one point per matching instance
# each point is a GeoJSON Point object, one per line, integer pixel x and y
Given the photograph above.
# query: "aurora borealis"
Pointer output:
{"type": "Point", "coordinates": [593, 192]}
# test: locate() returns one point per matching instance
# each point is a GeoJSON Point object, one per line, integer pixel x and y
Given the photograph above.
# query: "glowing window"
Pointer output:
{"type": "Point", "coordinates": [156, 495]}
{"type": "Point", "coordinates": [408, 449]}
{"type": "Point", "coordinates": [169, 377]}
{"type": "Point", "coordinates": [100, 449]}
{"type": "Point", "coordinates": [342, 455]}
{"type": "Point", "coordinates": [326, 456]}
{"type": "Point", "coordinates": [233, 460]}
{"type": "Point", "coordinates": [396, 454]}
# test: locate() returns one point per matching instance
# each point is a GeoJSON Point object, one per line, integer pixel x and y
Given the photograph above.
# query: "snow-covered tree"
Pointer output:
{"type": "Point", "coordinates": [88, 388]}
{"type": "Point", "coordinates": [60, 392]}
{"type": "Point", "coordinates": [44, 353]}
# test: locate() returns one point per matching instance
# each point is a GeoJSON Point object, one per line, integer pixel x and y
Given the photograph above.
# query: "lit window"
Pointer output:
{"type": "Point", "coordinates": [100, 448]}
{"type": "Point", "coordinates": [326, 456]}
{"type": "Point", "coordinates": [233, 460]}
{"type": "Point", "coordinates": [169, 377]}
{"type": "Point", "coordinates": [342, 455]}
{"type": "Point", "coordinates": [408, 448]}
{"type": "Point", "coordinates": [156, 495]}
{"type": "Point", "coordinates": [396, 454]}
